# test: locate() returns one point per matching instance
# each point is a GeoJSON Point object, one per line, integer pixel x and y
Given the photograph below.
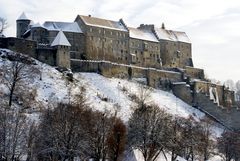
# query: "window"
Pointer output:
{"type": "Point", "coordinates": [90, 29]}
{"type": "Point", "coordinates": [135, 51]}
{"type": "Point", "coordinates": [111, 33]}
{"type": "Point", "coordinates": [121, 51]}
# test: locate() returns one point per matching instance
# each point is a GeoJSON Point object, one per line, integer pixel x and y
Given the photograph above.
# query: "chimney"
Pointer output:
{"type": "Point", "coordinates": [163, 26]}
{"type": "Point", "coordinates": [146, 27]}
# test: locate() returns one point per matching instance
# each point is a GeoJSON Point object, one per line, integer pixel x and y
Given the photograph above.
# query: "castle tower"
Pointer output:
{"type": "Point", "coordinates": [22, 25]}
{"type": "Point", "coordinates": [63, 50]}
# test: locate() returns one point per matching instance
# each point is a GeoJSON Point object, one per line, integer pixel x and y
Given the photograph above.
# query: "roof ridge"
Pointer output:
{"type": "Point", "coordinates": [60, 39]}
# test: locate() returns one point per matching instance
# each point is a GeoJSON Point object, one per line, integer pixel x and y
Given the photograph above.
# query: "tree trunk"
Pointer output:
{"type": "Point", "coordinates": [11, 94]}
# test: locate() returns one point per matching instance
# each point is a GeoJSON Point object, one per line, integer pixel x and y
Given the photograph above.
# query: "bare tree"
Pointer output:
{"type": "Point", "coordinates": [177, 138]}
{"type": "Point", "coordinates": [206, 142]}
{"type": "Point", "coordinates": [117, 140]}
{"type": "Point", "coordinates": [3, 24]}
{"type": "Point", "coordinates": [229, 145]}
{"type": "Point", "coordinates": [60, 135]}
{"type": "Point", "coordinates": [148, 131]}
{"type": "Point", "coordinates": [13, 75]}
{"type": "Point", "coordinates": [99, 133]}
{"type": "Point", "coordinates": [13, 130]}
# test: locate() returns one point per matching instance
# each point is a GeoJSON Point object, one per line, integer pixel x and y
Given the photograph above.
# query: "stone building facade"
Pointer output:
{"type": "Point", "coordinates": [144, 48]}
{"type": "Point", "coordinates": [175, 46]}
{"type": "Point", "coordinates": [105, 39]}
{"type": "Point", "coordinates": [94, 38]}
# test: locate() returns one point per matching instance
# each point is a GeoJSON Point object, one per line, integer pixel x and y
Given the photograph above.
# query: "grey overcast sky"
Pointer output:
{"type": "Point", "coordinates": [212, 25]}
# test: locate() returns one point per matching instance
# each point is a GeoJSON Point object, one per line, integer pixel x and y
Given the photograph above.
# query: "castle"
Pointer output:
{"type": "Point", "coordinates": [112, 48]}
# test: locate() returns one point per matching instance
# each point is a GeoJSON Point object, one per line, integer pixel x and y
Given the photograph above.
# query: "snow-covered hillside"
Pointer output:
{"type": "Point", "coordinates": [102, 93]}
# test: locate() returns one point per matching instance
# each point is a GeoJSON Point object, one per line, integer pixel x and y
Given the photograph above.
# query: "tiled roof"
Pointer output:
{"type": "Point", "coordinates": [93, 21]}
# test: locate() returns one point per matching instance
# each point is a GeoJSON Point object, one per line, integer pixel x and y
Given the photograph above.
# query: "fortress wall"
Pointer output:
{"type": "Point", "coordinates": [202, 87]}
{"type": "Point", "coordinates": [114, 70]}
{"type": "Point", "coordinates": [20, 45]}
{"type": "Point", "coordinates": [183, 91]}
{"type": "Point", "coordinates": [194, 72]}
{"type": "Point", "coordinates": [84, 66]}
{"type": "Point", "coordinates": [47, 56]}
{"type": "Point", "coordinates": [139, 72]}
{"type": "Point", "coordinates": [226, 97]}
{"type": "Point", "coordinates": [156, 78]}
{"type": "Point", "coordinates": [162, 78]}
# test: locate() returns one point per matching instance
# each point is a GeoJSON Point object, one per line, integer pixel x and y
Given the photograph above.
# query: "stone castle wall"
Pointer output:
{"type": "Point", "coordinates": [194, 73]}
{"type": "Point", "coordinates": [47, 55]}
{"type": "Point", "coordinates": [27, 47]}
{"type": "Point", "coordinates": [155, 78]}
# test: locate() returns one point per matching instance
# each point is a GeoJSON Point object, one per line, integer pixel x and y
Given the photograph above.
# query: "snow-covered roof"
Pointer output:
{"type": "Point", "coordinates": [98, 22]}
{"type": "Point", "coordinates": [171, 35]}
{"type": "Point", "coordinates": [37, 25]}
{"type": "Point", "coordinates": [60, 39]}
{"type": "Point", "coordinates": [23, 17]}
{"type": "Point", "coordinates": [142, 34]}
{"type": "Point", "coordinates": [64, 26]}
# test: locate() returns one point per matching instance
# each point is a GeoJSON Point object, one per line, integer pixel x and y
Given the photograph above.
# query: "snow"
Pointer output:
{"type": "Point", "coordinates": [22, 17]}
{"type": "Point", "coordinates": [136, 155]}
{"type": "Point", "coordinates": [142, 34]}
{"type": "Point", "coordinates": [37, 25]}
{"type": "Point", "coordinates": [172, 35]}
{"type": "Point", "coordinates": [64, 26]}
{"type": "Point", "coordinates": [60, 40]}
{"type": "Point", "coordinates": [111, 88]}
